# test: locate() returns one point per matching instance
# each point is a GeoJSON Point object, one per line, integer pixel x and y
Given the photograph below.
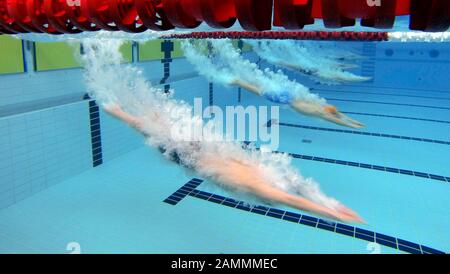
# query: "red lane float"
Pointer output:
{"type": "Point", "coordinates": [333, 19]}
{"type": "Point", "coordinates": [78, 18]}
{"type": "Point", "coordinates": [293, 14]}
{"type": "Point", "coordinates": [430, 15]}
{"type": "Point", "coordinates": [294, 35]}
{"type": "Point", "coordinates": [39, 20]}
{"type": "Point", "coordinates": [217, 14]}
{"type": "Point", "coordinates": [17, 10]}
{"type": "Point", "coordinates": [384, 15]}
{"type": "Point", "coordinates": [125, 16]}
{"type": "Point", "coordinates": [57, 16]}
{"type": "Point", "coordinates": [7, 23]}
{"type": "Point", "coordinates": [97, 12]}
{"type": "Point", "coordinates": [152, 15]}
{"type": "Point", "coordinates": [176, 11]}
{"type": "Point", "coordinates": [73, 16]}
{"type": "Point", "coordinates": [254, 15]}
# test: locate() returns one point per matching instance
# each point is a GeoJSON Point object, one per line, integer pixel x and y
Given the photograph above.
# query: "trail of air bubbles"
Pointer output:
{"type": "Point", "coordinates": [109, 81]}
{"type": "Point", "coordinates": [303, 58]}
{"type": "Point", "coordinates": [222, 63]}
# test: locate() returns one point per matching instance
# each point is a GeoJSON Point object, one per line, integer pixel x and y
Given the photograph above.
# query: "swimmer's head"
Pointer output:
{"type": "Point", "coordinates": [330, 109]}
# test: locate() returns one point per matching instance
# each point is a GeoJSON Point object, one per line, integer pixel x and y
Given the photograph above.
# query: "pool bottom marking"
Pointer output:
{"type": "Point", "coordinates": [356, 164]}
{"type": "Point", "coordinates": [167, 48]}
{"type": "Point", "coordinates": [363, 133]}
{"type": "Point", "coordinates": [397, 117]}
{"type": "Point", "coordinates": [190, 189]}
{"type": "Point", "coordinates": [387, 103]}
{"type": "Point", "coordinates": [96, 138]}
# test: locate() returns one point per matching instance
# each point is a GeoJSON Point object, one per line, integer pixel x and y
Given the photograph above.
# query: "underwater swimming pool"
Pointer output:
{"type": "Point", "coordinates": [394, 172]}
{"type": "Point", "coordinates": [76, 180]}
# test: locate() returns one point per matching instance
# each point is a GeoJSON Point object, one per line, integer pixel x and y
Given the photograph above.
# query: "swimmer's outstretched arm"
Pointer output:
{"type": "Point", "coordinates": [289, 65]}
{"type": "Point", "coordinates": [327, 112]}
{"type": "Point", "coordinates": [118, 113]}
{"type": "Point", "coordinates": [249, 178]}
{"type": "Point", "coordinates": [343, 66]}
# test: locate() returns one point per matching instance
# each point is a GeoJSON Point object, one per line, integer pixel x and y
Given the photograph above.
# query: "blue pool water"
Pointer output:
{"type": "Point", "coordinates": [119, 196]}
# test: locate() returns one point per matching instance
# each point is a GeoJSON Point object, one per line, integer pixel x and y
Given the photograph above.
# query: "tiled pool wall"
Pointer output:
{"type": "Point", "coordinates": [51, 131]}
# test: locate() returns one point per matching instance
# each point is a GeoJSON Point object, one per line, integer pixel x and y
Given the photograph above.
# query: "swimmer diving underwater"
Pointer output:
{"type": "Point", "coordinates": [125, 93]}
{"type": "Point", "coordinates": [308, 108]}
{"type": "Point", "coordinates": [234, 172]}
{"type": "Point", "coordinates": [226, 66]}
{"type": "Point", "coordinates": [320, 66]}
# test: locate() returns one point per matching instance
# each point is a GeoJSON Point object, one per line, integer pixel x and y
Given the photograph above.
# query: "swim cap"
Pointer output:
{"type": "Point", "coordinates": [330, 109]}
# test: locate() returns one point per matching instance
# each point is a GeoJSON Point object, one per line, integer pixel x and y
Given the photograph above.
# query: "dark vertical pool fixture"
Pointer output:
{"type": "Point", "coordinates": [73, 16]}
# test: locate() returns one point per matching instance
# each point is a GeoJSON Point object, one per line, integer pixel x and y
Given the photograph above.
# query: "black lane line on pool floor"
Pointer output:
{"type": "Point", "coordinates": [364, 165]}
{"type": "Point", "coordinates": [373, 167]}
{"type": "Point", "coordinates": [364, 133]}
{"type": "Point", "coordinates": [381, 94]}
{"type": "Point", "coordinates": [396, 117]}
{"type": "Point", "coordinates": [386, 103]}
{"type": "Point", "coordinates": [421, 90]}
{"type": "Point", "coordinates": [189, 189]}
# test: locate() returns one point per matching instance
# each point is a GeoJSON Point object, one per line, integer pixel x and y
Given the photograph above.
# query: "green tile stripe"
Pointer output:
{"type": "Point", "coordinates": [11, 55]}
{"type": "Point", "coordinates": [151, 50]}
{"type": "Point", "coordinates": [56, 55]}
{"type": "Point", "coordinates": [127, 52]}
{"type": "Point", "coordinates": [63, 55]}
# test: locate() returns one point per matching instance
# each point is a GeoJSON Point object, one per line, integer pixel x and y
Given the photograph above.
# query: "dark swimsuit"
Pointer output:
{"type": "Point", "coordinates": [174, 155]}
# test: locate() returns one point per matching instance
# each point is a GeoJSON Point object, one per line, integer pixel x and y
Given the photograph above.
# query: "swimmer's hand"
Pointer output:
{"type": "Point", "coordinates": [345, 214]}
{"type": "Point", "coordinates": [328, 112]}
{"type": "Point", "coordinates": [112, 108]}
{"type": "Point", "coordinates": [235, 82]}
{"type": "Point", "coordinates": [116, 111]}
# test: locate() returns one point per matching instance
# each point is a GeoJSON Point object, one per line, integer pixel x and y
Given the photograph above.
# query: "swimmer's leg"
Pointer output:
{"type": "Point", "coordinates": [247, 86]}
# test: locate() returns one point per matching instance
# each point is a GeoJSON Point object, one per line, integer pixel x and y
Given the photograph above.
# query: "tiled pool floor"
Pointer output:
{"type": "Point", "coordinates": [119, 209]}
